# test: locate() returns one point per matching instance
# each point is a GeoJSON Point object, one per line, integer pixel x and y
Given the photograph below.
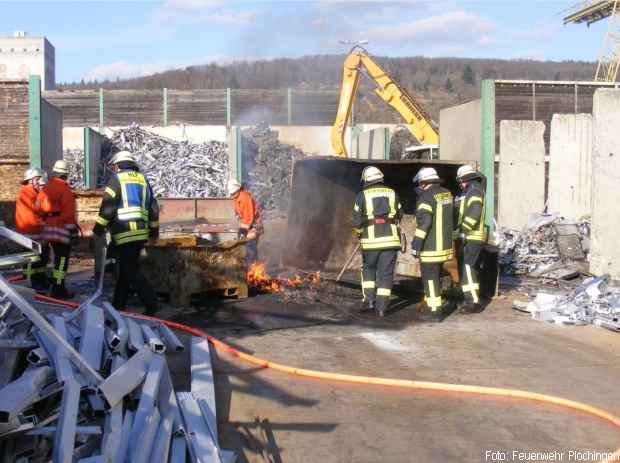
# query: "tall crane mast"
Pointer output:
{"type": "Point", "coordinates": [592, 11]}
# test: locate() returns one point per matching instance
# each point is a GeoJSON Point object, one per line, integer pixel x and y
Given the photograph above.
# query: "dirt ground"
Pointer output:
{"type": "Point", "coordinates": [268, 416]}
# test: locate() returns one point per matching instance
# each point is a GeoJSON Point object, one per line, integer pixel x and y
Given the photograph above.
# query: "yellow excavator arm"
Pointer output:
{"type": "Point", "coordinates": [416, 119]}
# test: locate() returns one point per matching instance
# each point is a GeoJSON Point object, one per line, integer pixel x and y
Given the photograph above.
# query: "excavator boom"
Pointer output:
{"type": "Point", "coordinates": [416, 119]}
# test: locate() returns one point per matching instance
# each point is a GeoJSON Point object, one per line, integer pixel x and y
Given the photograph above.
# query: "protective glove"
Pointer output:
{"type": "Point", "coordinates": [414, 253]}
{"type": "Point", "coordinates": [242, 233]}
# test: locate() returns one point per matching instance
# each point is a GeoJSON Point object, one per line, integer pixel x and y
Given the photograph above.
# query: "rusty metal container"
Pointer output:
{"type": "Point", "coordinates": [187, 265]}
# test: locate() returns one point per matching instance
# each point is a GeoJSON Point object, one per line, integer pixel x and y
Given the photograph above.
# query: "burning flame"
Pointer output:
{"type": "Point", "coordinates": [261, 280]}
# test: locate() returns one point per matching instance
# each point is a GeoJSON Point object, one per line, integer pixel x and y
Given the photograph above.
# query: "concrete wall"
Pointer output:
{"type": "Point", "coordinates": [570, 165]}
{"type": "Point", "coordinates": [92, 156]}
{"type": "Point", "coordinates": [460, 132]}
{"type": "Point", "coordinates": [51, 134]}
{"type": "Point", "coordinates": [521, 172]}
{"type": "Point", "coordinates": [371, 144]}
{"type": "Point", "coordinates": [605, 252]}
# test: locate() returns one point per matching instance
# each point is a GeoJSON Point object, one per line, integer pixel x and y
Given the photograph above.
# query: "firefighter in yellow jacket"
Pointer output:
{"type": "Point", "coordinates": [469, 233]}
{"type": "Point", "coordinates": [129, 209]}
{"type": "Point", "coordinates": [376, 213]}
{"type": "Point", "coordinates": [432, 242]}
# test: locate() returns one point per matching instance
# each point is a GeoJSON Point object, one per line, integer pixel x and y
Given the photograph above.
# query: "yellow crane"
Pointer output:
{"type": "Point", "coordinates": [590, 12]}
{"type": "Point", "coordinates": [359, 61]}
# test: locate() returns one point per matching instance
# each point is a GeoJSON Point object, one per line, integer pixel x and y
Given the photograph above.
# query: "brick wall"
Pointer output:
{"type": "Point", "coordinates": [14, 120]}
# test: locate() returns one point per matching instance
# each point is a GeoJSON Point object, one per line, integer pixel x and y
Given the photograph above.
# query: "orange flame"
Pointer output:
{"type": "Point", "coordinates": [261, 280]}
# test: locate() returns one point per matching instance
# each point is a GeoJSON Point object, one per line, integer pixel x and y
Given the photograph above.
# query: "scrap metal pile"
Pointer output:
{"type": "Point", "coordinates": [93, 385]}
{"type": "Point", "coordinates": [547, 242]}
{"type": "Point", "coordinates": [593, 302]}
{"type": "Point", "coordinates": [175, 169]}
{"type": "Point", "coordinates": [268, 167]}
{"type": "Point", "coordinates": [75, 159]}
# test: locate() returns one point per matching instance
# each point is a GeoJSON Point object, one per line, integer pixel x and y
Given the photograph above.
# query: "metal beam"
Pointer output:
{"type": "Point", "coordinates": [127, 378]}
{"type": "Point", "coordinates": [122, 331]}
{"type": "Point", "coordinates": [23, 392]}
{"type": "Point", "coordinates": [20, 239]}
{"type": "Point", "coordinates": [202, 385]}
{"type": "Point", "coordinates": [64, 441]}
{"type": "Point", "coordinates": [122, 451]}
{"type": "Point", "coordinates": [113, 436]}
{"type": "Point", "coordinates": [154, 341]}
{"type": "Point", "coordinates": [92, 337]}
{"type": "Point", "coordinates": [146, 408]}
{"type": "Point", "coordinates": [172, 341]}
{"type": "Point", "coordinates": [161, 449]}
{"type": "Point", "coordinates": [136, 339]}
{"type": "Point", "coordinates": [16, 344]}
{"type": "Point", "coordinates": [41, 323]}
{"type": "Point", "coordinates": [202, 446]}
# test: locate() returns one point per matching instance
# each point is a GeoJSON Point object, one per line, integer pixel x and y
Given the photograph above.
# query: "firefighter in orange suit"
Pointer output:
{"type": "Point", "coordinates": [250, 222]}
{"type": "Point", "coordinates": [29, 222]}
{"type": "Point", "coordinates": [57, 203]}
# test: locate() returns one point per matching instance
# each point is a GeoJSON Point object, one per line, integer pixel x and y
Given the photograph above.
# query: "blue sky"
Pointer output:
{"type": "Point", "coordinates": [107, 39]}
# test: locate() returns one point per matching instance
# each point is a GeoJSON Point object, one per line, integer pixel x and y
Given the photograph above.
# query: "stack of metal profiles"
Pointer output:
{"type": "Point", "coordinates": [93, 385]}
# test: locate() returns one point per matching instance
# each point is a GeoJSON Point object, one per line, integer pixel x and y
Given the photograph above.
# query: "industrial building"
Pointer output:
{"type": "Point", "coordinates": [23, 55]}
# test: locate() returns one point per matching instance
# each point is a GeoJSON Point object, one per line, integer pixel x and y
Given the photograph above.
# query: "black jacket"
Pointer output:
{"type": "Point", "coordinates": [129, 208]}
{"type": "Point", "coordinates": [433, 236]}
{"type": "Point", "coordinates": [376, 213]}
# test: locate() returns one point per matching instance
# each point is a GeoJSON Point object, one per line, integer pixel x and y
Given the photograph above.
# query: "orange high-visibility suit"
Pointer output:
{"type": "Point", "coordinates": [250, 222]}
{"type": "Point", "coordinates": [57, 202]}
{"type": "Point", "coordinates": [28, 221]}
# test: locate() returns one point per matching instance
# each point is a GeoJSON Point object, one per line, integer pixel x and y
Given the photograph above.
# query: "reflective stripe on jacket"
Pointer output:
{"type": "Point", "coordinates": [128, 208]}
{"type": "Point", "coordinates": [57, 202]}
{"type": "Point", "coordinates": [376, 213]}
{"type": "Point", "coordinates": [433, 235]}
{"type": "Point", "coordinates": [470, 208]}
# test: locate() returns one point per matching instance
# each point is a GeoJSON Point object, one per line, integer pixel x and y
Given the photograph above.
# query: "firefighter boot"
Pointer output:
{"type": "Point", "coordinates": [369, 306]}
{"type": "Point", "coordinates": [59, 291]}
{"type": "Point", "coordinates": [40, 283]}
{"type": "Point", "coordinates": [382, 307]}
{"type": "Point", "coordinates": [426, 314]}
{"type": "Point", "coordinates": [470, 307]}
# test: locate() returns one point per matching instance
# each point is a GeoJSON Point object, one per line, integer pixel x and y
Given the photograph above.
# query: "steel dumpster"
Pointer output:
{"type": "Point", "coordinates": [184, 266]}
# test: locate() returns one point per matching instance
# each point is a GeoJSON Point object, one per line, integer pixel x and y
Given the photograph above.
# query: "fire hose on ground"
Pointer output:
{"type": "Point", "coordinates": [369, 380]}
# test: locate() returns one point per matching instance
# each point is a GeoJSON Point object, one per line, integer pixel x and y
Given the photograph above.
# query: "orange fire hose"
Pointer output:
{"type": "Point", "coordinates": [402, 383]}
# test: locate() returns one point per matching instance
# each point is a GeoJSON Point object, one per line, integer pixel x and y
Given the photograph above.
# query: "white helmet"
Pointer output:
{"type": "Point", "coordinates": [233, 186]}
{"type": "Point", "coordinates": [466, 172]}
{"type": "Point", "coordinates": [32, 173]}
{"type": "Point", "coordinates": [61, 167]}
{"type": "Point", "coordinates": [426, 175]}
{"type": "Point", "coordinates": [123, 156]}
{"type": "Point", "coordinates": [371, 175]}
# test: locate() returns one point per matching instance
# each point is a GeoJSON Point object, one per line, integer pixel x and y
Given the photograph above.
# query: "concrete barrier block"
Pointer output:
{"type": "Point", "coordinates": [605, 252]}
{"type": "Point", "coordinates": [570, 165]}
{"type": "Point", "coordinates": [521, 172]}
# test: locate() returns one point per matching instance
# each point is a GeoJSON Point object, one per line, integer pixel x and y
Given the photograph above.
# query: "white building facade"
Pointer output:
{"type": "Point", "coordinates": [22, 55]}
